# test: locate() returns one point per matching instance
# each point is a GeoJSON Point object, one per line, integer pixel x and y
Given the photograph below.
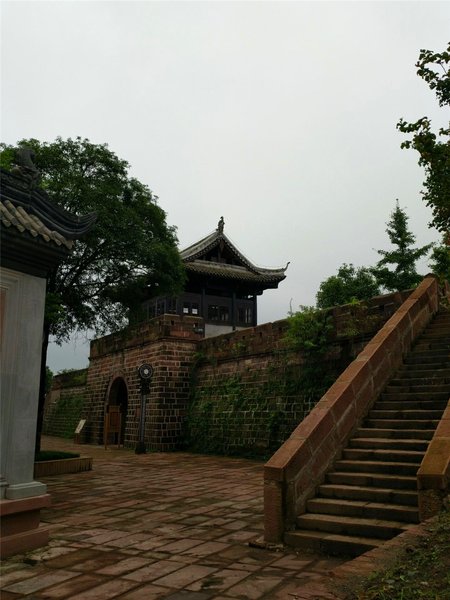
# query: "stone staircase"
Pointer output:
{"type": "Point", "coordinates": [371, 495]}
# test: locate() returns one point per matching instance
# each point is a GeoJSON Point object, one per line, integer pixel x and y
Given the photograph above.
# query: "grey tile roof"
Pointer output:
{"type": "Point", "coordinates": [234, 271]}
{"type": "Point", "coordinates": [30, 210]}
{"type": "Point", "coordinates": [192, 259]}
{"type": "Point", "coordinates": [18, 217]}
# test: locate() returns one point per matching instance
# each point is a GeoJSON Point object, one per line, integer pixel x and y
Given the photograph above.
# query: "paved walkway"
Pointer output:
{"type": "Point", "coordinates": [173, 526]}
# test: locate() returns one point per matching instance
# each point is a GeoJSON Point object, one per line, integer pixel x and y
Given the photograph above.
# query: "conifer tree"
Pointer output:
{"type": "Point", "coordinates": [402, 258]}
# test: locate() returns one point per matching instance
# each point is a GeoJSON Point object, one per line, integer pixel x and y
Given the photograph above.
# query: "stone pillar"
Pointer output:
{"type": "Point", "coordinates": [23, 300]}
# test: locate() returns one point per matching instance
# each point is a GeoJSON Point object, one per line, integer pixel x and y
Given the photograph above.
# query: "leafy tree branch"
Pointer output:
{"type": "Point", "coordinates": [433, 149]}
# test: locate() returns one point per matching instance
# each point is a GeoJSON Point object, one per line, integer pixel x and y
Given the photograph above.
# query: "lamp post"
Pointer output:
{"type": "Point", "coordinates": [145, 373]}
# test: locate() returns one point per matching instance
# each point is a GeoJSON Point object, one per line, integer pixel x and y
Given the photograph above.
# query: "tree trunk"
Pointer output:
{"type": "Point", "coordinates": [42, 386]}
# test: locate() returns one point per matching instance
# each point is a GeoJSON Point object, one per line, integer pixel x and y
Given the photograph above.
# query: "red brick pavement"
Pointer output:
{"type": "Point", "coordinates": [173, 526]}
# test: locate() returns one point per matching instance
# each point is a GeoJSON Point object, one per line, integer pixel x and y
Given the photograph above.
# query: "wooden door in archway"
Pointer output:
{"type": "Point", "coordinates": [116, 413]}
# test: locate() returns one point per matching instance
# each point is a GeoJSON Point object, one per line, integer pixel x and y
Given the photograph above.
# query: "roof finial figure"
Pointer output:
{"type": "Point", "coordinates": [24, 167]}
{"type": "Point", "coordinates": [220, 225]}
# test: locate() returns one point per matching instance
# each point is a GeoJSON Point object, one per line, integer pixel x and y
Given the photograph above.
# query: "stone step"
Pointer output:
{"type": "Point", "coordinates": [345, 525]}
{"type": "Point", "coordinates": [432, 379]}
{"type": "Point", "coordinates": [363, 509]}
{"type": "Point", "coordinates": [436, 332]}
{"type": "Point", "coordinates": [439, 322]}
{"type": "Point", "coordinates": [409, 388]}
{"type": "Point", "coordinates": [378, 466]}
{"type": "Point", "coordinates": [424, 370]}
{"type": "Point", "coordinates": [410, 371]}
{"type": "Point", "coordinates": [378, 480]}
{"type": "Point", "coordinates": [423, 361]}
{"type": "Point", "coordinates": [406, 414]}
{"type": "Point", "coordinates": [410, 405]}
{"type": "Point", "coordinates": [436, 355]}
{"type": "Point", "coordinates": [389, 443]}
{"type": "Point", "coordinates": [438, 328]}
{"type": "Point", "coordinates": [331, 544]}
{"type": "Point", "coordinates": [387, 432]}
{"type": "Point", "coordinates": [384, 455]}
{"type": "Point", "coordinates": [432, 345]}
{"type": "Point", "coordinates": [372, 493]}
{"type": "Point", "coordinates": [390, 396]}
{"type": "Point", "coordinates": [402, 423]}
{"type": "Point", "coordinates": [369, 493]}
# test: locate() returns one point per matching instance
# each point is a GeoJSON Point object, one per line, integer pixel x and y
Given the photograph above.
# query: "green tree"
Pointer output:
{"type": "Point", "coordinates": [48, 379]}
{"type": "Point", "coordinates": [129, 254]}
{"type": "Point", "coordinates": [348, 285]}
{"type": "Point", "coordinates": [310, 331]}
{"type": "Point", "coordinates": [403, 257]}
{"type": "Point", "coordinates": [440, 259]}
{"type": "Point", "coordinates": [434, 150]}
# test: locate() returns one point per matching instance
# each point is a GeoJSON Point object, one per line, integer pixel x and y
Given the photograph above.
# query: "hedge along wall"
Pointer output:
{"type": "Point", "coordinates": [64, 403]}
{"type": "Point", "coordinates": [249, 391]}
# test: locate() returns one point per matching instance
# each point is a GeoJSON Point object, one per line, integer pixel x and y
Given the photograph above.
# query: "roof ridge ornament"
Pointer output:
{"type": "Point", "coordinates": [36, 204]}
{"type": "Point", "coordinates": [220, 225]}
{"type": "Point", "coordinates": [24, 167]}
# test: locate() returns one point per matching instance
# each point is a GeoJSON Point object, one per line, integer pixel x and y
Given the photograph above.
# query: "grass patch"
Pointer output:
{"type": "Point", "coordinates": [53, 455]}
{"type": "Point", "coordinates": [421, 572]}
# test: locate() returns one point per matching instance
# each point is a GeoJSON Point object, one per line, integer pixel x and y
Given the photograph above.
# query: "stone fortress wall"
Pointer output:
{"type": "Point", "coordinates": [238, 393]}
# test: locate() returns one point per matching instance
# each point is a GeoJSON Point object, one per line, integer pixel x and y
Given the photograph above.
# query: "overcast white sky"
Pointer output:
{"type": "Point", "coordinates": [280, 116]}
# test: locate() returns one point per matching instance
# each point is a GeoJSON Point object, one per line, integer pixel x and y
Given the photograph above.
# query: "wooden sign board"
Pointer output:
{"type": "Point", "coordinates": [80, 426]}
{"type": "Point", "coordinates": [78, 430]}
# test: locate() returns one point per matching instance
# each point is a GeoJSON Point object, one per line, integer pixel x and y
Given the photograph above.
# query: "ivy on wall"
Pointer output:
{"type": "Point", "coordinates": [64, 415]}
{"type": "Point", "coordinates": [251, 413]}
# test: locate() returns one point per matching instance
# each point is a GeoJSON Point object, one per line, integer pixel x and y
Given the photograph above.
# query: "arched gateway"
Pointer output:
{"type": "Point", "coordinates": [116, 407]}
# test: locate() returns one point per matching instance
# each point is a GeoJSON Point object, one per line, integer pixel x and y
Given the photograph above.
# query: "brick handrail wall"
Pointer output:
{"type": "Point", "coordinates": [433, 477]}
{"type": "Point", "coordinates": [293, 473]}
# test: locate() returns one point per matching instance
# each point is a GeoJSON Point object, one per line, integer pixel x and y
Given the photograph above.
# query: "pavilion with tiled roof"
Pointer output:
{"type": "Point", "coordinates": [222, 285]}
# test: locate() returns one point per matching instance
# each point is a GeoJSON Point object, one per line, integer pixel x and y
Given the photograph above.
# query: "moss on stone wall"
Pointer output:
{"type": "Point", "coordinates": [63, 416]}
{"type": "Point", "coordinates": [250, 413]}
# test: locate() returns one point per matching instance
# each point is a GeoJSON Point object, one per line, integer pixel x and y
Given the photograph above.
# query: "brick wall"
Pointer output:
{"type": "Point", "coordinates": [249, 392]}
{"type": "Point", "coordinates": [168, 344]}
{"type": "Point", "coordinates": [235, 393]}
